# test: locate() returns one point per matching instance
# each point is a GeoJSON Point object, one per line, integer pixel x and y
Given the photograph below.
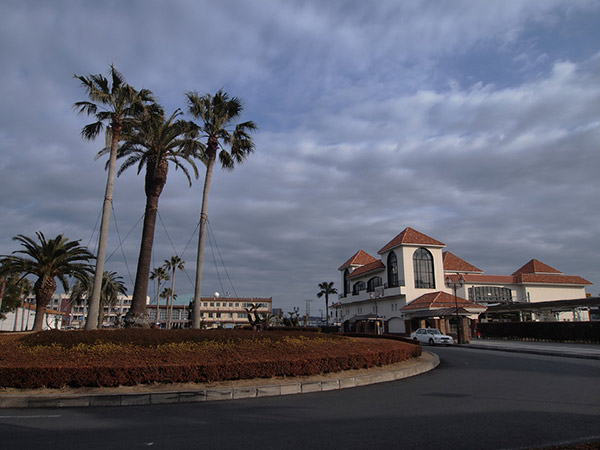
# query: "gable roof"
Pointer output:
{"type": "Point", "coordinates": [371, 267]}
{"type": "Point", "coordinates": [439, 299]}
{"type": "Point", "coordinates": [411, 236]}
{"type": "Point", "coordinates": [535, 266]}
{"type": "Point", "coordinates": [360, 258]}
{"type": "Point", "coordinates": [453, 263]}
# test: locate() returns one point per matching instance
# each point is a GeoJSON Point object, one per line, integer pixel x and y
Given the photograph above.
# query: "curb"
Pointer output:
{"type": "Point", "coordinates": [427, 361]}
{"type": "Point", "coordinates": [532, 351]}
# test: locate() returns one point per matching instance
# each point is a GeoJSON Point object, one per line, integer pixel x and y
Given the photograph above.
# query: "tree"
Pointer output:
{"type": "Point", "coordinates": [216, 114]}
{"type": "Point", "coordinates": [47, 260]}
{"type": "Point", "coordinates": [327, 289]}
{"type": "Point", "coordinates": [159, 274]}
{"type": "Point", "coordinates": [115, 104]}
{"type": "Point", "coordinates": [174, 263]}
{"type": "Point", "coordinates": [112, 286]}
{"type": "Point", "coordinates": [153, 142]}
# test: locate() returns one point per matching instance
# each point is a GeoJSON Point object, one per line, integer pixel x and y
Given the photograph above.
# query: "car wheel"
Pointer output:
{"type": "Point", "coordinates": [431, 341]}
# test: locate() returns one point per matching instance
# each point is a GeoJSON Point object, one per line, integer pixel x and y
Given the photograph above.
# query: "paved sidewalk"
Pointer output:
{"type": "Point", "coordinates": [586, 351]}
{"type": "Point", "coordinates": [149, 395]}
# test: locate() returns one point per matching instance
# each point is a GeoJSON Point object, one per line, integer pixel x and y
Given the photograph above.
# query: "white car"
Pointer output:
{"type": "Point", "coordinates": [431, 336]}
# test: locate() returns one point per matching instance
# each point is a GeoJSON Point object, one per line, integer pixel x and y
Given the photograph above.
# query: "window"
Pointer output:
{"type": "Point", "coordinates": [346, 282]}
{"type": "Point", "coordinates": [218, 315]}
{"type": "Point", "coordinates": [205, 304]}
{"type": "Point", "coordinates": [423, 265]}
{"type": "Point", "coordinates": [392, 270]}
{"type": "Point", "coordinates": [231, 305]}
{"type": "Point", "coordinates": [210, 314]}
{"type": "Point", "coordinates": [218, 304]}
{"type": "Point", "coordinates": [237, 305]}
{"type": "Point", "coordinates": [358, 286]}
{"type": "Point", "coordinates": [212, 304]}
{"type": "Point", "coordinates": [490, 294]}
{"type": "Point", "coordinates": [373, 283]}
{"type": "Point", "coordinates": [241, 315]}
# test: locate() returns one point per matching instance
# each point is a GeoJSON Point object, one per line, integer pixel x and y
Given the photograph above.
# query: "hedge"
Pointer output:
{"type": "Point", "coordinates": [130, 357]}
{"type": "Point", "coordinates": [542, 331]}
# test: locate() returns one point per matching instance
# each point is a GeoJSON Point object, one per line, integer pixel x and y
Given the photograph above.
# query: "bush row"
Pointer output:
{"type": "Point", "coordinates": [25, 363]}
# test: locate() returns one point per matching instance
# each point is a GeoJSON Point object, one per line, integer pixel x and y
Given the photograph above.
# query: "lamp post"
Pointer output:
{"type": "Point", "coordinates": [454, 285]}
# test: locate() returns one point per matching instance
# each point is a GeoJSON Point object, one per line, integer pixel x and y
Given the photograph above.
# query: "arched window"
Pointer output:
{"type": "Point", "coordinates": [358, 286]}
{"type": "Point", "coordinates": [373, 283]}
{"type": "Point", "coordinates": [423, 264]}
{"type": "Point", "coordinates": [392, 270]}
{"type": "Point", "coordinates": [346, 282]}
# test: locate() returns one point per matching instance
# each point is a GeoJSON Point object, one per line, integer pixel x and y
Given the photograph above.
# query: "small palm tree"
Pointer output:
{"type": "Point", "coordinates": [113, 105]}
{"type": "Point", "coordinates": [47, 260]}
{"type": "Point", "coordinates": [216, 114]}
{"type": "Point", "coordinates": [153, 142]}
{"type": "Point", "coordinates": [172, 264]}
{"type": "Point", "coordinates": [159, 274]}
{"type": "Point", "coordinates": [327, 289]}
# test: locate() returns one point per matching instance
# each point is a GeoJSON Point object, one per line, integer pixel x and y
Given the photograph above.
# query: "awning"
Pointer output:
{"type": "Point", "coordinates": [441, 312]}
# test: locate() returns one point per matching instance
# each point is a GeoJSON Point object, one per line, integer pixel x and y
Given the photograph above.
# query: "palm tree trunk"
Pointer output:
{"type": "Point", "coordinates": [170, 311]}
{"type": "Point", "coordinates": [157, 299]}
{"type": "Point", "coordinates": [327, 309]}
{"type": "Point", "coordinates": [136, 317]}
{"type": "Point", "coordinates": [44, 288]}
{"type": "Point", "coordinates": [201, 240]}
{"type": "Point", "coordinates": [92, 318]}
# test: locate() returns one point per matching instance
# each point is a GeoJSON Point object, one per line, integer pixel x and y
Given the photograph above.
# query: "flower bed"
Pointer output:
{"type": "Point", "coordinates": [130, 357]}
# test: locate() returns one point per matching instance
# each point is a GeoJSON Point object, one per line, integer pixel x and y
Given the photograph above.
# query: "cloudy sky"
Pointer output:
{"type": "Point", "coordinates": [477, 123]}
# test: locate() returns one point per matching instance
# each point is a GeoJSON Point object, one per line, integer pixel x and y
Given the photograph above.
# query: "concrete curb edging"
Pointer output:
{"type": "Point", "coordinates": [428, 361]}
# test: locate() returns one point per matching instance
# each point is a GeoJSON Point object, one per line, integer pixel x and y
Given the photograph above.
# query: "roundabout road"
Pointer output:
{"type": "Point", "coordinates": [475, 399]}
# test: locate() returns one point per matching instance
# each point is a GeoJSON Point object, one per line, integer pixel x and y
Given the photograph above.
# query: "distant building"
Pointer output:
{"type": "Point", "coordinates": [215, 312]}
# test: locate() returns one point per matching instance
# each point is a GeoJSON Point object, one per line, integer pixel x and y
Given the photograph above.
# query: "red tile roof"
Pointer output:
{"type": "Point", "coordinates": [535, 266]}
{"type": "Point", "coordinates": [411, 236]}
{"type": "Point", "coordinates": [496, 279]}
{"type": "Point", "coordinates": [525, 278]}
{"type": "Point", "coordinates": [550, 279]}
{"type": "Point", "coordinates": [453, 263]}
{"type": "Point", "coordinates": [360, 258]}
{"type": "Point", "coordinates": [436, 300]}
{"type": "Point", "coordinates": [374, 266]}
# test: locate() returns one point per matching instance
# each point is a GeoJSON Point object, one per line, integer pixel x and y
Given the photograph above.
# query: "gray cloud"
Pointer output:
{"type": "Point", "coordinates": [474, 123]}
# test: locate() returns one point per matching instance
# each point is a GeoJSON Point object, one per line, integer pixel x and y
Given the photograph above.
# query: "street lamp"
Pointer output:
{"type": "Point", "coordinates": [454, 285]}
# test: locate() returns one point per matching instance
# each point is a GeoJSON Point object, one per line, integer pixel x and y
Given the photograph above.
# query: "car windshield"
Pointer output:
{"type": "Point", "coordinates": [434, 331]}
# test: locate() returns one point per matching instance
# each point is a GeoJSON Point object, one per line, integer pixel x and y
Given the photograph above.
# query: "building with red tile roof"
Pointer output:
{"type": "Point", "coordinates": [414, 267]}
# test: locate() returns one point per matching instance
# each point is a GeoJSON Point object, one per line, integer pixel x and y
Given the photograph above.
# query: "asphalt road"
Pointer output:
{"type": "Point", "coordinates": [475, 399]}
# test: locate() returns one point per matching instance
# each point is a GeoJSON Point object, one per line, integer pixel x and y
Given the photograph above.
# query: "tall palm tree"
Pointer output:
{"type": "Point", "coordinates": [159, 274]}
{"type": "Point", "coordinates": [174, 263]}
{"type": "Point", "coordinates": [47, 260]}
{"type": "Point", "coordinates": [112, 104]}
{"type": "Point", "coordinates": [153, 142]}
{"type": "Point", "coordinates": [327, 289]}
{"type": "Point", "coordinates": [216, 114]}
{"type": "Point", "coordinates": [112, 286]}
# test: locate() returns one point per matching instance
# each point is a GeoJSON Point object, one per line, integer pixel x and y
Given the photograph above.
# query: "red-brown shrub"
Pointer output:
{"type": "Point", "coordinates": [130, 357]}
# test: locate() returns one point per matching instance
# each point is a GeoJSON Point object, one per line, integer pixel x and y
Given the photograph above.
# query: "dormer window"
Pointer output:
{"type": "Point", "coordinates": [423, 266]}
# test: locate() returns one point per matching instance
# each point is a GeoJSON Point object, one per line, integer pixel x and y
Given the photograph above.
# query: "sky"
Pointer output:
{"type": "Point", "coordinates": [476, 123]}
